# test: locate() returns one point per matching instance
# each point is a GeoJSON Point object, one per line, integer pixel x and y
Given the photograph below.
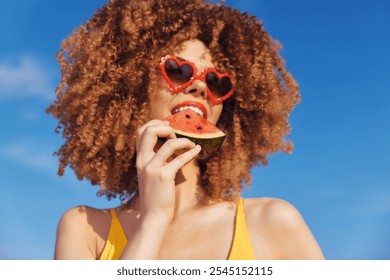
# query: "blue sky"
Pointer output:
{"type": "Point", "coordinates": [338, 176]}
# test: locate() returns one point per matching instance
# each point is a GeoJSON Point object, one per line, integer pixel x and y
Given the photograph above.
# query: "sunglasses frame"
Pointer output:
{"type": "Point", "coordinates": [195, 76]}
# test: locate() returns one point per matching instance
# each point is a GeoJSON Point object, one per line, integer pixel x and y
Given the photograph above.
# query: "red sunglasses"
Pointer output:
{"type": "Point", "coordinates": [180, 73]}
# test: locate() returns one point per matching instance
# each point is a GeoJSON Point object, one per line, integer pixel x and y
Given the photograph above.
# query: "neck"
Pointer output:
{"type": "Point", "coordinates": [189, 193]}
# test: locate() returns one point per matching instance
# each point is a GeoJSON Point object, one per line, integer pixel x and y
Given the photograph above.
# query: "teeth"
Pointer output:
{"type": "Point", "coordinates": [195, 109]}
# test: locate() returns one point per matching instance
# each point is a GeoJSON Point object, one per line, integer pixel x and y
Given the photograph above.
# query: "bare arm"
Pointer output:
{"type": "Point", "coordinates": [156, 172]}
{"type": "Point", "coordinates": [74, 239]}
{"type": "Point", "coordinates": [156, 178]}
{"type": "Point", "coordinates": [293, 238]}
{"type": "Point", "coordinates": [278, 231]}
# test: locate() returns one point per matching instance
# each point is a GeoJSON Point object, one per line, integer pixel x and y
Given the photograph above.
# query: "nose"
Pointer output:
{"type": "Point", "coordinates": [197, 89]}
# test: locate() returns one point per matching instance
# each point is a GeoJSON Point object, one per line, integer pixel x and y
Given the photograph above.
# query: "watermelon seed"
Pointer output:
{"type": "Point", "coordinates": [188, 116]}
{"type": "Point", "coordinates": [199, 128]}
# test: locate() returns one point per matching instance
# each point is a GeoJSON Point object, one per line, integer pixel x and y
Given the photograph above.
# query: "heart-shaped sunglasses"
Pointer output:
{"type": "Point", "coordinates": [180, 73]}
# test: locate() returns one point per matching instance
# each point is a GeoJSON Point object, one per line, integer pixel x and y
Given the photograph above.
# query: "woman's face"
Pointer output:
{"type": "Point", "coordinates": [164, 101]}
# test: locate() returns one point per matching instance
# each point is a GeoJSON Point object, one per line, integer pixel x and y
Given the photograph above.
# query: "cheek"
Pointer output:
{"type": "Point", "coordinates": [156, 105]}
{"type": "Point", "coordinates": [216, 113]}
{"type": "Point", "coordinates": [162, 90]}
{"type": "Point", "coordinates": [160, 100]}
{"type": "Point", "coordinates": [162, 84]}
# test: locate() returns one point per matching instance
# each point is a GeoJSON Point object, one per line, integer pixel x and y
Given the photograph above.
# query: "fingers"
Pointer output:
{"type": "Point", "coordinates": [151, 129]}
{"type": "Point", "coordinates": [157, 166]}
{"type": "Point", "coordinates": [169, 148]}
{"type": "Point", "coordinates": [142, 129]}
{"type": "Point", "coordinates": [147, 137]}
{"type": "Point", "coordinates": [181, 160]}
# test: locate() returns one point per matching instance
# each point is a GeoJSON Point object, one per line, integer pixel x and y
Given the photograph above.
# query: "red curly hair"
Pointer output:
{"type": "Point", "coordinates": [109, 66]}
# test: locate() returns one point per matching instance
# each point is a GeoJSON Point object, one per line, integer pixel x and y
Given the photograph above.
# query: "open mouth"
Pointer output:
{"type": "Point", "coordinates": [197, 108]}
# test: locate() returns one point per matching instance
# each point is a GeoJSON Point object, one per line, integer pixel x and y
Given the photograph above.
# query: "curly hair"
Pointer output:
{"type": "Point", "coordinates": [109, 67]}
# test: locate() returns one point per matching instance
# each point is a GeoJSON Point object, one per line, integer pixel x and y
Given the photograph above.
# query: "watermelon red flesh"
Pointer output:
{"type": "Point", "coordinates": [191, 125]}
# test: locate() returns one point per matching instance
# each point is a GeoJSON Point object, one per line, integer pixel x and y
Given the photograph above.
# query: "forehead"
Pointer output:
{"type": "Point", "coordinates": [196, 52]}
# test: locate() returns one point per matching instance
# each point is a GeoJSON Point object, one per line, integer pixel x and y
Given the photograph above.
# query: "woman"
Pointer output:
{"type": "Point", "coordinates": [178, 201]}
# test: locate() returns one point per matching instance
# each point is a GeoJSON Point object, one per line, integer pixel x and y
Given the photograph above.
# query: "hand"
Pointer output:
{"type": "Point", "coordinates": [157, 170]}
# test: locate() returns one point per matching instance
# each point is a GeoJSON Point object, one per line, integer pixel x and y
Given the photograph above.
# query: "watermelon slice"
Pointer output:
{"type": "Point", "coordinates": [191, 125]}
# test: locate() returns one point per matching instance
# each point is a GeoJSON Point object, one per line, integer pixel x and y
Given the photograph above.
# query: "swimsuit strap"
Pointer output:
{"type": "Point", "coordinates": [242, 248]}
{"type": "Point", "coordinates": [116, 240]}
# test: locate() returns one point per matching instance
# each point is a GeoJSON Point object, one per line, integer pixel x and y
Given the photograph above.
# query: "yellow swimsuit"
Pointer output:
{"type": "Point", "coordinates": [241, 248]}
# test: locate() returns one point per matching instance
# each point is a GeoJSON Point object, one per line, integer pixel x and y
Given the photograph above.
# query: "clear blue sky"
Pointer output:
{"type": "Point", "coordinates": [338, 176]}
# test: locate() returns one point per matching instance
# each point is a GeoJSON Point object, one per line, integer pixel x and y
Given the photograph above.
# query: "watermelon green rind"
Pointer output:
{"type": "Point", "coordinates": [206, 143]}
{"type": "Point", "coordinates": [191, 125]}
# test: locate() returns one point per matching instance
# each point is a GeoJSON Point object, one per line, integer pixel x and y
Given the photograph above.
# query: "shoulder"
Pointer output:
{"type": "Point", "coordinates": [274, 211]}
{"type": "Point", "coordinates": [281, 224]}
{"type": "Point", "coordinates": [78, 232]}
{"type": "Point", "coordinates": [82, 216]}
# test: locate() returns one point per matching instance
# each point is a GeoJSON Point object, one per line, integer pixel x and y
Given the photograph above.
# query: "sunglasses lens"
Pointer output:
{"type": "Point", "coordinates": [178, 74]}
{"type": "Point", "coordinates": [218, 86]}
